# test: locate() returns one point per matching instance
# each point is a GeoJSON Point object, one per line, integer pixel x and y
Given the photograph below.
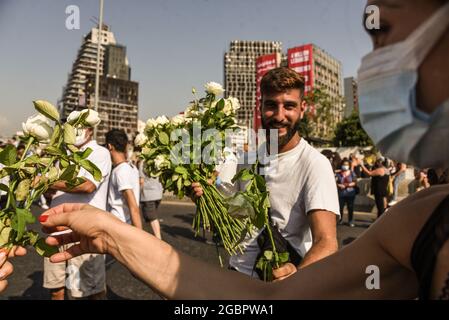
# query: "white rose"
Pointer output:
{"type": "Point", "coordinates": [234, 102]}
{"type": "Point", "coordinates": [214, 88]}
{"type": "Point", "coordinates": [140, 139]}
{"type": "Point", "coordinates": [161, 120]}
{"type": "Point", "coordinates": [161, 162]}
{"type": "Point", "coordinates": [140, 126]}
{"type": "Point", "coordinates": [37, 126]}
{"type": "Point", "coordinates": [92, 119]}
{"type": "Point", "coordinates": [228, 110]}
{"type": "Point", "coordinates": [178, 120]}
{"type": "Point", "coordinates": [191, 112]}
{"type": "Point", "coordinates": [73, 117]}
{"type": "Point", "coordinates": [151, 123]}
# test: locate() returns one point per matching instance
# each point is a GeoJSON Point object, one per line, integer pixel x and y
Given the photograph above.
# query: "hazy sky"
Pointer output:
{"type": "Point", "coordinates": [172, 45]}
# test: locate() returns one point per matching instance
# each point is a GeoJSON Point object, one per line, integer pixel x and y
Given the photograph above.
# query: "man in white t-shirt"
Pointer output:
{"type": "Point", "coordinates": [124, 188]}
{"type": "Point", "coordinates": [86, 274]}
{"type": "Point", "coordinates": [303, 194]}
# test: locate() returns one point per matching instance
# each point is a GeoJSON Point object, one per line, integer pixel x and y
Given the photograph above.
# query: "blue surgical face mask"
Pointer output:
{"type": "Point", "coordinates": [387, 95]}
{"type": "Point", "coordinates": [345, 168]}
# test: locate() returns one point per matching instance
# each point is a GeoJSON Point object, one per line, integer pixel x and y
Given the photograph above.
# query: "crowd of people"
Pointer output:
{"type": "Point", "coordinates": [386, 177]}
{"type": "Point", "coordinates": [409, 244]}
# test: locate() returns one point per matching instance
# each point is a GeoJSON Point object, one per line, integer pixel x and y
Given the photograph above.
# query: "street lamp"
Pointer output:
{"type": "Point", "coordinates": [97, 71]}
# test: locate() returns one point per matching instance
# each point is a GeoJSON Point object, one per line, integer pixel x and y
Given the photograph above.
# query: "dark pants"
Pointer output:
{"type": "Point", "coordinates": [349, 202]}
{"type": "Point", "coordinates": [380, 205]}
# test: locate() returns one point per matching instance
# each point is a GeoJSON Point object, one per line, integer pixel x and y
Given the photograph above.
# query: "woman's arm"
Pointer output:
{"type": "Point", "coordinates": [373, 173]}
{"type": "Point", "coordinates": [178, 276]}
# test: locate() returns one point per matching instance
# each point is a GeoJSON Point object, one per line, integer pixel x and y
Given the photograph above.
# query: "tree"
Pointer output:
{"type": "Point", "coordinates": [305, 127]}
{"type": "Point", "coordinates": [349, 133]}
{"type": "Point", "coordinates": [319, 119]}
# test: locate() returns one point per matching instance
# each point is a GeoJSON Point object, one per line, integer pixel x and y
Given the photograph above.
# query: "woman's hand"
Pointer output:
{"type": "Point", "coordinates": [6, 268]}
{"type": "Point", "coordinates": [88, 225]}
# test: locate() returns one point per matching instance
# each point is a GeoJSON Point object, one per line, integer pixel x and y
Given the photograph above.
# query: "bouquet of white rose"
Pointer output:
{"type": "Point", "coordinates": [31, 175]}
{"type": "Point", "coordinates": [186, 149]}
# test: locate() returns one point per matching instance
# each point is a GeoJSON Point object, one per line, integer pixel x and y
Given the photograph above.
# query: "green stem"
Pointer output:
{"type": "Point", "coordinates": [276, 257]}
{"type": "Point", "coordinates": [29, 143]}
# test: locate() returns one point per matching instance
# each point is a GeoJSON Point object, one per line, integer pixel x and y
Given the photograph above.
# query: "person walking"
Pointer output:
{"type": "Point", "coordinates": [346, 185]}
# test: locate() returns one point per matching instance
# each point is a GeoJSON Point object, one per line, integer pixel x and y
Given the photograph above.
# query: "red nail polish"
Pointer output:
{"type": "Point", "coordinates": [43, 218]}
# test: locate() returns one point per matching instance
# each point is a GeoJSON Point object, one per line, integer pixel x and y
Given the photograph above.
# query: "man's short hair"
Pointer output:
{"type": "Point", "coordinates": [280, 80]}
{"type": "Point", "coordinates": [118, 139]}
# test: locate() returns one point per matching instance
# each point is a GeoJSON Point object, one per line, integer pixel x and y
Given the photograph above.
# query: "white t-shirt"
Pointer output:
{"type": "Point", "coordinates": [299, 181]}
{"type": "Point", "coordinates": [102, 159]}
{"type": "Point", "coordinates": [125, 176]}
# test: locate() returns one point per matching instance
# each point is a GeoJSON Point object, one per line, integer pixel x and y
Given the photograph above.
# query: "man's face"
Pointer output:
{"type": "Point", "coordinates": [283, 111]}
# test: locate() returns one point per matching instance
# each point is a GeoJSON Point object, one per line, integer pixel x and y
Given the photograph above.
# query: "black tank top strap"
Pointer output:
{"type": "Point", "coordinates": [427, 245]}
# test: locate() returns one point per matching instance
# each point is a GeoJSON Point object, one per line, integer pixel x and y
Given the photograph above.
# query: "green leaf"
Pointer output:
{"type": "Point", "coordinates": [32, 159]}
{"type": "Point", "coordinates": [22, 190]}
{"type": "Point", "coordinates": [75, 183]}
{"type": "Point", "coordinates": [283, 257]}
{"type": "Point", "coordinates": [69, 134]}
{"type": "Point", "coordinates": [268, 254]}
{"type": "Point", "coordinates": [73, 149]}
{"type": "Point", "coordinates": [220, 104]}
{"type": "Point", "coordinates": [4, 187]}
{"type": "Point", "coordinates": [55, 135]}
{"type": "Point", "coordinates": [54, 151]}
{"type": "Point", "coordinates": [69, 173]}
{"type": "Point", "coordinates": [179, 183]}
{"type": "Point", "coordinates": [261, 184]}
{"type": "Point", "coordinates": [8, 156]}
{"type": "Point", "coordinates": [47, 109]}
{"type": "Point", "coordinates": [44, 249]}
{"type": "Point", "coordinates": [63, 164]}
{"type": "Point", "coordinates": [22, 217]}
{"type": "Point", "coordinates": [86, 153]}
{"type": "Point", "coordinates": [259, 220]}
{"type": "Point", "coordinates": [5, 235]}
{"type": "Point", "coordinates": [163, 138]}
{"type": "Point", "coordinates": [92, 169]}
{"type": "Point", "coordinates": [181, 170]}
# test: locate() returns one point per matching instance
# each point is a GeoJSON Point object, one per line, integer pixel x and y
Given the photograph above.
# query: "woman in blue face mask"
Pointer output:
{"type": "Point", "coordinates": [346, 185]}
{"type": "Point", "coordinates": [409, 246]}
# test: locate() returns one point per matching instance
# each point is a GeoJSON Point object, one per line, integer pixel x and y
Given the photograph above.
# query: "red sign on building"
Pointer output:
{"type": "Point", "coordinates": [300, 59]}
{"type": "Point", "coordinates": [263, 65]}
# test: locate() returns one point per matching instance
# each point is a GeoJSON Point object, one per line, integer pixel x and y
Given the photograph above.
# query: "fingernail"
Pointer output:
{"type": "Point", "coordinates": [43, 218]}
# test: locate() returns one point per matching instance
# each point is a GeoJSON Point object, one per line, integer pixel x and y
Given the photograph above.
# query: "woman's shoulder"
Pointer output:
{"type": "Point", "coordinates": [399, 227]}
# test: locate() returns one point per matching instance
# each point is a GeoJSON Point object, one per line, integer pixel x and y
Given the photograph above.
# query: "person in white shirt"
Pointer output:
{"type": "Point", "coordinates": [151, 192]}
{"type": "Point", "coordinates": [303, 195]}
{"type": "Point", "coordinates": [124, 189]}
{"type": "Point", "coordinates": [86, 274]}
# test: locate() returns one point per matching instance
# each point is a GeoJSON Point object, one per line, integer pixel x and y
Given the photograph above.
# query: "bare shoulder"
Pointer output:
{"type": "Point", "coordinates": [397, 230]}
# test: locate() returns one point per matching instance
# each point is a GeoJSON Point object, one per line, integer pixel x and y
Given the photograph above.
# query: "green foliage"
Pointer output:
{"type": "Point", "coordinates": [349, 133]}
{"type": "Point", "coordinates": [31, 175]}
{"type": "Point", "coordinates": [325, 106]}
{"type": "Point", "coordinates": [8, 155]}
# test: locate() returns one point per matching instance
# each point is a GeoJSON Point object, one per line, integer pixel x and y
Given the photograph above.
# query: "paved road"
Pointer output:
{"type": "Point", "coordinates": [26, 282]}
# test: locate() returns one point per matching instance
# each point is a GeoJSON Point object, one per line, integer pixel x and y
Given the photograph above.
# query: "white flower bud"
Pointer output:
{"type": "Point", "coordinates": [214, 88]}
{"type": "Point", "coordinates": [38, 127]}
